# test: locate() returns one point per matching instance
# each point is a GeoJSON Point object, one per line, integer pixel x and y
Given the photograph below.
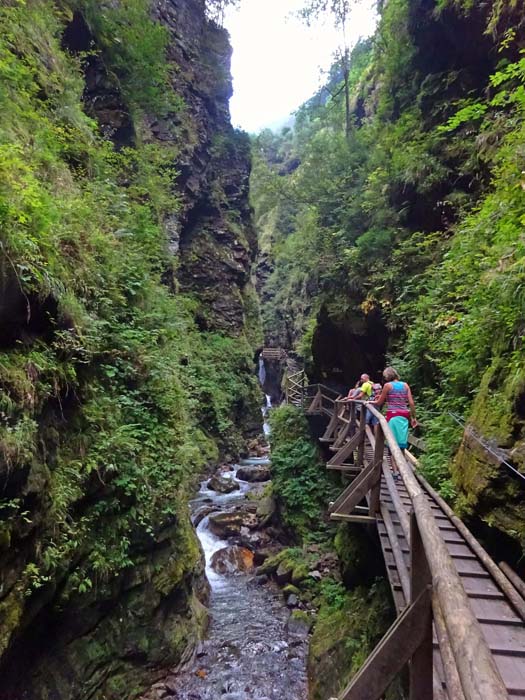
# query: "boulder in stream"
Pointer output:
{"type": "Point", "coordinates": [226, 524]}
{"type": "Point", "coordinates": [222, 485]}
{"type": "Point", "coordinates": [266, 508]}
{"type": "Point", "coordinates": [299, 624]}
{"type": "Point", "coordinates": [231, 560]}
{"type": "Point", "coordinates": [201, 514]}
{"type": "Point", "coordinates": [256, 472]}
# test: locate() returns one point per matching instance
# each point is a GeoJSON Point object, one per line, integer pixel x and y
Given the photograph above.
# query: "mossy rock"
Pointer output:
{"type": "Point", "coordinates": [299, 573]}
{"type": "Point", "coordinates": [283, 573]}
{"type": "Point", "coordinates": [291, 590]}
{"type": "Point", "coordinates": [271, 564]}
{"type": "Point", "coordinates": [353, 549]}
{"type": "Point", "coordinates": [300, 623]}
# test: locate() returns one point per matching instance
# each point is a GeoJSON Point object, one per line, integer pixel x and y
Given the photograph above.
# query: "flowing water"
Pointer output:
{"type": "Point", "coordinates": [249, 653]}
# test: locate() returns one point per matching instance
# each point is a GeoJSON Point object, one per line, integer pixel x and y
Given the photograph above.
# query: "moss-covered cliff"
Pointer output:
{"type": "Point", "coordinates": [127, 321]}
{"type": "Point", "coordinates": [402, 239]}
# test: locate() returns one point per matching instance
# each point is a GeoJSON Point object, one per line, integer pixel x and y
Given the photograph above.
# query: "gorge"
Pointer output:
{"type": "Point", "coordinates": [149, 251]}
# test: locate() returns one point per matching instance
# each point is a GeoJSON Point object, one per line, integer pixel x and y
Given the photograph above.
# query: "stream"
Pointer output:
{"type": "Point", "coordinates": [249, 652]}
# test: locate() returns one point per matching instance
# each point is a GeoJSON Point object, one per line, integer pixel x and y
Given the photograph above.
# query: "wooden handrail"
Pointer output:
{"type": "Point", "coordinates": [478, 673]}
{"type": "Point", "coordinates": [469, 666]}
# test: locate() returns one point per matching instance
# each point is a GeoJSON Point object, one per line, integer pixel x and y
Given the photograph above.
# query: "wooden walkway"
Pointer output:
{"type": "Point", "coordinates": [461, 621]}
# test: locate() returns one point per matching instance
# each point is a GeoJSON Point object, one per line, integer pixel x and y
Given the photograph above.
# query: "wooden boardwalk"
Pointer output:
{"type": "Point", "coordinates": [474, 645]}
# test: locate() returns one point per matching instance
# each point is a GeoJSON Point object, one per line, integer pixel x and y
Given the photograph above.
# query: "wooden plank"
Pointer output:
{"type": "Point", "coordinates": [396, 552]}
{"type": "Point", "coordinates": [392, 652]}
{"type": "Point", "coordinates": [450, 670]}
{"type": "Point", "coordinates": [503, 582]}
{"type": "Point", "coordinates": [421, 665]}
{"type": "Point", "coordinates": [345, 451]}
{"type": "Point", "coordinates": [477, 669]}
{"type": "Point", "coordinates": [346, 468]}
{"type": "Point", "coordinates": [345, 517]}
{"type": "Point", "coordinates": [375, 492]}
{"type": "Point", "coordinates": [330, 428]}
{"type": "Point", "coordinates": [400, 509]}
{"type": "Point", "coordinates": [417, 442]}
{"type": "Point", "coordinates": [355, 492]}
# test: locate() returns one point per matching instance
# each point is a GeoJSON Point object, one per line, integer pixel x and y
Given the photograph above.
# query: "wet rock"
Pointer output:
{"type": "Point", "coordinates": [226, 524]}
{"type": "Point", "coordinates": [201, 514]}
{"type": "Point", "coordinates": [316, 575]}
{"type": "Point", "coordinates": [265, 510]}
{"type": "Point", "coordinates": [159, 692]}
{"type": "Point", "coordinates": [299, 624]}
{"type": "Point", "coordinates": [261, 580]}
{"type": "Point", "coordinates": [225, 469]}
{"type": "Point", "coordinates": [249, 520]}
{"type": "Point", "coordinates": [252, 540]}
{"type": "Point", "coordinates": [292, 601]}
{"type": "Point", "coordinates": [171, 685]}
{"type": "Point", "coordinates": [284, 573]}
{"type": "Point", "coordinates": [222, 485]}
{"type": "Point", "coordinates": [258, 472]}
{"type": "Point", "coordinates": [258, 447]}
{"type": "Point", "coordinates": [201, 650]}
{"type": "Point", "coordinates": [299, 573]}
{"type": "Point", "coordinates": [231, 560]}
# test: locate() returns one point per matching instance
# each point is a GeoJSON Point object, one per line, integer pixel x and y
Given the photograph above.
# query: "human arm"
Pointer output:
{"type": "Point", "coordinates": [412, 406]}
{"type": "Point", "coordinates": [384, 393]}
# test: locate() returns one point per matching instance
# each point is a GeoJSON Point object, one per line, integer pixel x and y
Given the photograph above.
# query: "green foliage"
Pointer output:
{"type": "Point", "coordinates": [417, 215]}
{"type": "Point", "coordinates": [300, 482]}
{"type": "Point", "coordinates": [111, 399]}
{"type": "Point", "coordinates": [348, 627]}
{"type": "Point", "coordinates": [134, 46]}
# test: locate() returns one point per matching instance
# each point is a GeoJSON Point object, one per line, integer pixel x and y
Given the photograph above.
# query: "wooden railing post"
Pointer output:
{"type": "Point", "coordinates": [421, 663]}
{"type": "Point", "coordinates": [352, 420]}
{"type": "Point", "coordinates": [362, 433]}
{"type": "Point", "coordinates": [317, 401]}
{"type": "Point", "coordinates": [375, 493]}
{"type": "Point", "coordinates": [331, 428]}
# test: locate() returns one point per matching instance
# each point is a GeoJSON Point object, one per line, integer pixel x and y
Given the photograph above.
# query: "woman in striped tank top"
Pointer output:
{"type": "Point", "coordinates": [400, 407]}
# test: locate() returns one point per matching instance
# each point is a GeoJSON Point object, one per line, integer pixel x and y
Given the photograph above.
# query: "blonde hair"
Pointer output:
{"type": "Point", "coordinates": [390, 374]}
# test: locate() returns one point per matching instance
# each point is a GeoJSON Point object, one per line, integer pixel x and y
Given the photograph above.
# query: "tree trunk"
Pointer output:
{"type": "Point", "coordinates": [346, 74]}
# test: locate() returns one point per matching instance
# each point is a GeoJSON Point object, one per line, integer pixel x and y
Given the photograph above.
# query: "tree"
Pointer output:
{"type": "Point", "coordinates": [216, 9]}
{"type": "Point", "coordinates": [341, 11]}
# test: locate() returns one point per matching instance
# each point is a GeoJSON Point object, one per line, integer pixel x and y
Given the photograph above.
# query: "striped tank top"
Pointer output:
{"type": "Point", "coordinates": [397, 398]}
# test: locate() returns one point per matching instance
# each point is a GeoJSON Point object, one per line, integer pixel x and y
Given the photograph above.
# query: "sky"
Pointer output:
{"type": "Point", "coordinates": [277, 60]}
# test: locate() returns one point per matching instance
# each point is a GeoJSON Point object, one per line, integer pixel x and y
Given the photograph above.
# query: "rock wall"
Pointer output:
{"type": "Point", "coordinates": [109, 635]}
{"type": "Point", "coordinates": [214, 236]}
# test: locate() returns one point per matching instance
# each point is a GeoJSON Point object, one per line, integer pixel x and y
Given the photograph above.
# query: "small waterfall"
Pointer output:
{"type": "Point", "coordinates": [262, 371]}
{"type": "Point", "coordinates": [266, 411]}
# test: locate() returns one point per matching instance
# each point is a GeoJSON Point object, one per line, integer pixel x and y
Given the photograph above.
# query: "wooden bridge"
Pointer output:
{"type": "Point", "coordinates": [273, 353]}
{"type": "Point", "coordinates": [460, 623]}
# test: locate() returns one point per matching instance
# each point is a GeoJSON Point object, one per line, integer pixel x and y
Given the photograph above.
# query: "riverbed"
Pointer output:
{"type": "Point", "coordinates": [249, 652]}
